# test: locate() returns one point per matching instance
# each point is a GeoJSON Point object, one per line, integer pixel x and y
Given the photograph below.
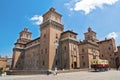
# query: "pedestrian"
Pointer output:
{"type": "Point", "coordinates": [55, 72]}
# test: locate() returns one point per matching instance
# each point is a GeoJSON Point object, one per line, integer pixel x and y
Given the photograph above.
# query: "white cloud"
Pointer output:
{"type": "Point", "coordinates": [37, 19]}
{"type": "Point", "coordinates": [88, 5]}
{"type": "Point", "coordinates": [114, 35]}
{"type": "Point", "coordinates": [70, 4]}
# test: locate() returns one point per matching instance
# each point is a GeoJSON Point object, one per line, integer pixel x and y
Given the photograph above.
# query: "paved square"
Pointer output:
{"type": "Point", "coordinates": [83, 75]}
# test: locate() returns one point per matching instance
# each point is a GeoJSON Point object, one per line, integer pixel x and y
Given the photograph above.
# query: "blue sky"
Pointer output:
{"type": "Point", "coordinates": [103, 16]}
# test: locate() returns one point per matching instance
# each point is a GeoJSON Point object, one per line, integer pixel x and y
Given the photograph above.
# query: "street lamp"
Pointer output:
{"type": "Point", "coordinates": [94, 54]}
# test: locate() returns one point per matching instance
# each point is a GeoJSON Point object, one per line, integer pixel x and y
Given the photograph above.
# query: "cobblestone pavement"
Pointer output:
{"type": "Point", "coordinates": [83, 75]}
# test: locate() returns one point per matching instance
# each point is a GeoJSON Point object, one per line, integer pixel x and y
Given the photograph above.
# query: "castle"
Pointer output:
{"type": "Point", "coordinates": [60, 49]}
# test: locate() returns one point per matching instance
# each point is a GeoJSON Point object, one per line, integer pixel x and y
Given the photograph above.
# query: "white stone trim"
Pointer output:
{"type": "Point", "coordinates": [70, 39]}
{"type": "Point", "coordinates": [32, 45]}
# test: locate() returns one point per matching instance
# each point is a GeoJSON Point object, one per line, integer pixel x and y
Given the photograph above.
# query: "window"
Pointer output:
{"type": "Point", "coordinates": [82, 50]}
{"type": "Point", "coordinates": [88, 38]}
{"type": "Point", "coordinates": [22, 56]}
{"type": "Point", "coordinates": [109, 48]}
{"type": "Point", "coordinates": [41, 51]}
{"type": "Point", "coordinates": [27, 35]}
{"type": "Point", "coordinates": [56, 63]}
{"type": "Point", "coordinates": [56, 51]}
{"type": "Point", "coordinates": [82, 57]}
{"type": "Point", "coordinates": [110, 55]}
{"type": "Point", "coordinates": [56, 36]}
{"type": "Point", "coordinates": [102, 55]}
{"type": "Point", "coordinates": [74, 36]}
{"type": "Point", "coordinates": [110, 62]}
{"type": "Point", "coordinates": [20, 45]}
{"type": "Point", "coordinates": [33, 53]}
{"type": "Point", "coordinates": [46, 51]}
{"type": "Point", "coordinates": [83, 63]}
{"type": "Point", "coordinates": [44, 36]}
{"type": "Point", "coordinates": [74, 48]}
{"type": "Point", "coordinates": [56, 18]}
{"type": "Point", "coordinates": [43, 63]}
{"type": "Point", "coordinates": [65, 48]}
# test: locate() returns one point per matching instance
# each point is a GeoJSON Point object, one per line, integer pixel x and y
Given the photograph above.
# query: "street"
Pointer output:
{"type": "Point", "coordinates": [83, 75]}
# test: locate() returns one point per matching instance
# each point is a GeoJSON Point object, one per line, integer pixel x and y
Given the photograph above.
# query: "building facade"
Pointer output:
{"type": "Point", "coordinates": [55, 48]}
{"type": "Point", "coordinates": [5, 62]}
{"type": "Point", "coordinates": [107, 49]}
{"type": "Point", "coordinates": [69, 50]}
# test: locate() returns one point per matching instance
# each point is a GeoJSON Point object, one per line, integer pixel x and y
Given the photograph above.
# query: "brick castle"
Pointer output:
{"type": "Point", "coordinates": [61, 49]}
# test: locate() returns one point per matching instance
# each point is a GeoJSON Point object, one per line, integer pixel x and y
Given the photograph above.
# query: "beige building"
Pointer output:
{"type": "Point", "coordinates": [5, 62]}
{"type": "Point", "coordinates": [57, 48]}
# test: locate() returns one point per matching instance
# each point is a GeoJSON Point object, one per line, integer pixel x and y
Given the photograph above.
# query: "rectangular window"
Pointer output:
{"type": "Point", "coordinates": [46, 51]}
{"type": "Point", "coordinates": [44, 35]}
{"type": "Point", "coordinates": [65, 48]}
{"type": "Point", "coordinates": [43, 63]}
{"type": "Point", "coordinates": [41, 51]}
{"type": "Point", "coordinates": [82, 50]}
{"type": "Point", "coordinates": [56, 63]}
{"type": "Point", "coordinates": [56, 51]}
{"type": "Point", "coordinates": [56, 36]}
{"type": "Point", "coordinates": [82, 57]}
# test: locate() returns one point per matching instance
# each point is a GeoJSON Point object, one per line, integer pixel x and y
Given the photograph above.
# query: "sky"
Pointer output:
{"type": "Point", "coordinates": [103, 16]}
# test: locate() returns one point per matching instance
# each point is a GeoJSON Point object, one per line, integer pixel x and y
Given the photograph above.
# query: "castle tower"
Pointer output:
{"type": "Point", "coordinates": [51, 29]}
{"type": "Point", "coordinates": [89, 49]}
{"type": "Point", "coordinates": [90, 35]}
{"type": "Point", "coordinates": [18, 50]}
{"type": "Point", "coordinates": [69, 50]}
{"type": "Point", "coordinates": [25, 34]}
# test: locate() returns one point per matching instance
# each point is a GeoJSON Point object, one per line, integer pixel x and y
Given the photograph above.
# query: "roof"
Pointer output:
{"type": "Point", "coordinates": [89, 42]}
{"type": "Point", "coordinates": [106, 40]}
{"type": "Point", "coordinates": [69, 31]}
{"type": "Point", "coordinates": [52, 10]}
{"type": "Point", "coordinates": [33, 40]}
{"type": "Point", "coordinates": [90, 30]}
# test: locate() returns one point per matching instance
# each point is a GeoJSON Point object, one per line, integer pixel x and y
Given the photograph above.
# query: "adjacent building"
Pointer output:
{"type": "Point", "coordinates": [5, 62]}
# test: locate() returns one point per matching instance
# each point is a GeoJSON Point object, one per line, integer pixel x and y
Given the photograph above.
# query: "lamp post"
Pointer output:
{"type": "Point", "coordinates": [94, 54]}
